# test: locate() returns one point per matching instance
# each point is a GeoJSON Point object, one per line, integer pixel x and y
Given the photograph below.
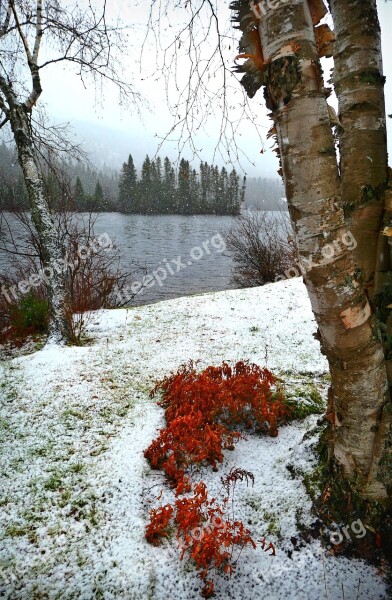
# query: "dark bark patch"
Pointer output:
{"type": "Point", "coordinates": [283, 77]}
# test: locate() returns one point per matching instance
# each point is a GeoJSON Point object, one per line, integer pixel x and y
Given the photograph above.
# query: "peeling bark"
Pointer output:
{"type": "Point", "coordinates": [294, 91]}
{"type": "Point", "coordinates": [359, 86]}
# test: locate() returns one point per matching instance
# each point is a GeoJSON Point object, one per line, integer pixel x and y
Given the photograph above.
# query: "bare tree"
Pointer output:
{"type": "Point", "coordinates": [91, 266]}
{"type": "Point", "coordinates": [192, 43]}
{"type": "Point", "coordinates": [261, 248]}
{"type": "Point", "coordinates": [34, 35]}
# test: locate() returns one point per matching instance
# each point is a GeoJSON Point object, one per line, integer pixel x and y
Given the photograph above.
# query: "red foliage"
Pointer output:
{"type": "Point", "coordinates": [201, 410]}
{"type": "Point", "coordinates": [159, 523]}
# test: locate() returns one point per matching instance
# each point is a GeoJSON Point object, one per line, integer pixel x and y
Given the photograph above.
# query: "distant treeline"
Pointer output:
{"type": "Point", "coordinates": [162, 190]}
{"type": "Point", "coordinates": [100, 188]}
{"type": "Point", "coordinates": [159, 188]}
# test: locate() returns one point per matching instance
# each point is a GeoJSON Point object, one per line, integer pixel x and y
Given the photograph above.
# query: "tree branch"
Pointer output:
{"type": "Point", "coordinates": [39, 32]}
{"type": "Point", "coordinates": [20, 32]}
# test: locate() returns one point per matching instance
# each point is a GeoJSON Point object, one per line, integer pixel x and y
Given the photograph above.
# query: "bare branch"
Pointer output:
{"type": "Point", "coordinates": [201, 47]}
{"type": "Point", "coordinates": [39, 33]}
{"type": "Point", "coordinates": [20, 32]}
{"type": "Point", "coordinates": [5, 25]}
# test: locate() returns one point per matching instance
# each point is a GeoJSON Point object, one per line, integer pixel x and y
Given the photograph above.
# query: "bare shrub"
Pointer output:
{"type": "Point", "coordinates": [92, 267]}
{"type": "Point", "coordinates": [261, 246]}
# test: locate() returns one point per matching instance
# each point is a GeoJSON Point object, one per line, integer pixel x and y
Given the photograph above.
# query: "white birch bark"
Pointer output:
{"type": "Point", "coordinates": [59, 328]}
{"type": "Point", "coordinates": [295, 94]}
{"type": "Point", "coordinates": [18, 113]}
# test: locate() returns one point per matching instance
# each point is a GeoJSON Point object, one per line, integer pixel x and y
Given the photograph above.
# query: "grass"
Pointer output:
{"type": "Point", "coordinates": [305, 393]}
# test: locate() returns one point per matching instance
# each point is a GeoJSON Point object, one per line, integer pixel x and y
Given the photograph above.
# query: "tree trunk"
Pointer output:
{"type": "Point", "coordinates": [359, 86]}
{"type": "Point", "coordinates": [295, 94]}
{"type": "Point", "coordinates": [60, 330]}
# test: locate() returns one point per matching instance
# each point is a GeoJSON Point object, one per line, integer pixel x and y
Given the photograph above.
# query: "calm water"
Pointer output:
{"type": "Point", "coordinates": [182, 255]}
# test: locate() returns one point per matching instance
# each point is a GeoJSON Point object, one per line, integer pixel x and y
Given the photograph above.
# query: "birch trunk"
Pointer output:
{"type": "Point", "coordinates": [295, 94]}
{"type": "Point", "coordinates": [18, 113]}
{"type": "Point", "coordinates": [359, 86]}
{"type": "Point", "coordinates": [53, 255]}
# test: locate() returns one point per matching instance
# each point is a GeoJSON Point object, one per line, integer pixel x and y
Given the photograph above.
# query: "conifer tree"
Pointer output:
{"type": "Point", "coordinates": [145, 186]}
{"type": "Point", "coordinates": [99, 199]}
{"type": "Point", "coordinates": [79, 195]}
{"type": "Point", "coordinates": [183, 192]}
{"type": "Point", "coordinates": [127, 188]}
{"type": "Point", "coordinates": [168, 187]}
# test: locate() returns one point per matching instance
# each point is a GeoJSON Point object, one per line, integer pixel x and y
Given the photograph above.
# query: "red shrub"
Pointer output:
{"type": "Point", "coordinates": [201, 410]}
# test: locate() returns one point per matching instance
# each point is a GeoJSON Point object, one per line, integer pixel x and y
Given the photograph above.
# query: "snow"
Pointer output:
{"type": "Point", "coordinates": [76, 489]}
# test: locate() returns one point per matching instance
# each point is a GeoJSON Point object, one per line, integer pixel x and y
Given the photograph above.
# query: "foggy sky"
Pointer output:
{"type": "Point", "coordinates": [119, 130]}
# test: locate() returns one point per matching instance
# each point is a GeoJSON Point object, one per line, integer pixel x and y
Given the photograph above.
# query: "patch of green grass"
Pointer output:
{"type": "Point", "coordinates": [4, 425]}
{"type": "Point", "coordinates": [42, 451]}
{"type": "Point", "coordinates": [271, 519]}
{"type": "Point", "coordinates": [107, 414]}
{"type": "Point", "coordinates": [84, 508]}
{"type": "Point", "coordinates": [12, 394]}
{"type": "Point", "coordinates": [71, 412]}
{"type": "Point", "coordinates": [16, 531]}
{"type": "Point", "coordinates": [54, 482]}
{"type": "Point", "coordinates": [17, 464]}
{"type": "Point", "coordinates": [65, 498]}
{"type": "Point", "coordinates": [304, 399]}
{"type": "Point", "coordinates": [77, 468]}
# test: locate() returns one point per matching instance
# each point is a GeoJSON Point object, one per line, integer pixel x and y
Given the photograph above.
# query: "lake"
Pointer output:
{"type": "Point", "coordinates": [181, 255]}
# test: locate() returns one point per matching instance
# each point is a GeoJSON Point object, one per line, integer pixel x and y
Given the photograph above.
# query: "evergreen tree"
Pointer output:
{"type": "Point", "coordinates": [145, 186]}
{"type": "Point", "coordinates": [98, 198]}
{"type": "Point", "coordinates": [194, 193]}
{"type": "Point", "coordinates": [183, 192]}
{"type": "Point", "coordinates": [156, 186]}
{"type": "Point", "coordinates": [127, 188]}
{"type": "Point", "coordinates": [79, 195]}
{"type": "Point", "coordinates": [168, 196]}
{"type": "Point", "coordinates": [159, 191]}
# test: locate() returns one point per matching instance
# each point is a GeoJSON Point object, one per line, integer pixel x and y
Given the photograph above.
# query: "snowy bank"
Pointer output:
{"type": "Point", "coordinates": [76, 489]}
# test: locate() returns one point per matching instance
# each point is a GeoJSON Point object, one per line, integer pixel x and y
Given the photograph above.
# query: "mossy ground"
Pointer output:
{"type": "Point", "coordinates": [337, 505]}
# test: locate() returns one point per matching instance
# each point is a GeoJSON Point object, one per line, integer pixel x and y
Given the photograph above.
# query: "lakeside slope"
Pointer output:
{"type": "Point", "coordinates": [76, 489]}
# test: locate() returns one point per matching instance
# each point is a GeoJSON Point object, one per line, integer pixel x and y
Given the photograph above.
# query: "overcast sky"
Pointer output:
{"type": "Point", "coordinates": [67, 99]}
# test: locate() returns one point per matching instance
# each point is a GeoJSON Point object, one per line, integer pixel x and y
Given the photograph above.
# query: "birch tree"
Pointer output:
{"type": "Point", "coordinates": [34, 35]}
{"type": "Point", "coordinates": [340, 203]}
{"type": "Point", "coordinates": [332, 200]}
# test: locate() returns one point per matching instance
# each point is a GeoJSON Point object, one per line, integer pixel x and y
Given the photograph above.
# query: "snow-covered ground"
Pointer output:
{"type": "Point", "coordinates": [76, 489]}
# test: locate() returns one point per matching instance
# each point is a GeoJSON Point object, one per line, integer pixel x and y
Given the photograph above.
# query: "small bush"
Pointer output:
{"type": "Point", "coordinates": [202, 412]}
{"type": "Point", "coordinates": [92, 273]}
{"type": "Point", "coordinates": [27, 317]}
{"type": "Point", "coordinates": [261, 247]}
{"type": "Point", "coordinates": [31, 313]}
{"type": "Point", "coordinates": [207, 406]}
